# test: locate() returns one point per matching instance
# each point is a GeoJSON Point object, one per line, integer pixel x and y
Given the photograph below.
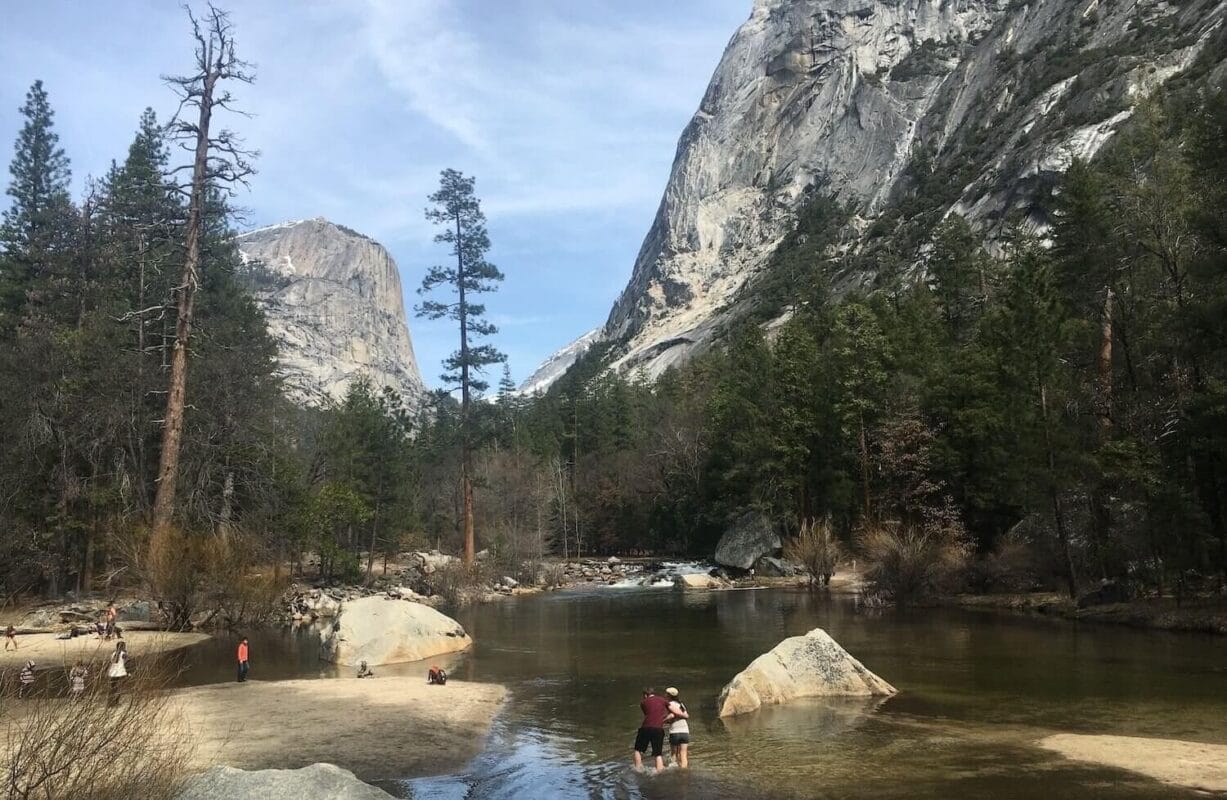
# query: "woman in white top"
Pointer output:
{"type": "Point", "coordinates": [118, 670]}
{"type": "Point", "coordinates": [679, 729]}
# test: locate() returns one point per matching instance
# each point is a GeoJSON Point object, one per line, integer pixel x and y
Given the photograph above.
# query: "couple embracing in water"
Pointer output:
{"type": "Point", "coordinates": [659, 713]}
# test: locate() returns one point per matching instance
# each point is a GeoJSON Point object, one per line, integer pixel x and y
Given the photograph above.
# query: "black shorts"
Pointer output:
{"type": "Point", "coordinates": [650, 736]}
{"type": "Point", "coordinates": [678, 738]}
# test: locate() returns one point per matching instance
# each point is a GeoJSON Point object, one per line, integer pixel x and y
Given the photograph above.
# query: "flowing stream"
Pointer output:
{"type": "Point", "coordinates": [977, 690]}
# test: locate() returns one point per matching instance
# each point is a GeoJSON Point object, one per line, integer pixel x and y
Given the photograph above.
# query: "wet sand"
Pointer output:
{"type": "Point", "coordinates": [1192, 764]}
{"type": "Point", "coordinates": [378, 728]}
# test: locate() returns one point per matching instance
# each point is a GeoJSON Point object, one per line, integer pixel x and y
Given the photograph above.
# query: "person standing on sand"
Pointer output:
{"type": "Point", "coordinates": [652, 730]}
{"type": "Point", "coordinates": [679, 729]}
{"type": "Point", "coordinates": [112, 615]}
{"type": "Point", "coordinates": [117, 672]}
{"type": "Point", "coordinates": [242, 655]}
{"type": "Point", "coordinates": [10, 637]}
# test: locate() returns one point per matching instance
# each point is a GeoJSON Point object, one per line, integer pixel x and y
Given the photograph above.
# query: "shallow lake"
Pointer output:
{"type": "Point", "coordinates": [977, 689]}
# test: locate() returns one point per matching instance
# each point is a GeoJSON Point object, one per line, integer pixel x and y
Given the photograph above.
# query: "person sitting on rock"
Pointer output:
{"type": "Point", "coordinates": [364, 671]}
{"type": "Point", "coordinates": [436, 675]}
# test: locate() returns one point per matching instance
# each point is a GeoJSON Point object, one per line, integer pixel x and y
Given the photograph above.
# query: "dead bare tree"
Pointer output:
{"type": "Point", "coordinates": [219, 163]}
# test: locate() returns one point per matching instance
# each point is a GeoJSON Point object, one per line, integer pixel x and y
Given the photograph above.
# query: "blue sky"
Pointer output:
{"type": "Point", "coordinates": [566, 111]}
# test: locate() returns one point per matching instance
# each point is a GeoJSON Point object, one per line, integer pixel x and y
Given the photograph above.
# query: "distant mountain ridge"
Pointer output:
{"type": "Point", "coordinates": [334, 304]}
{"type": "Point", "coordinates": [998, 97]}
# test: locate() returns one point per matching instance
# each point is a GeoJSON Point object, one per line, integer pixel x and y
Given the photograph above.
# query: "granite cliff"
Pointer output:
{"type": "Point", "coordinates": [333, 301]}
{"type": "Point", "coordinates": [993, 97]}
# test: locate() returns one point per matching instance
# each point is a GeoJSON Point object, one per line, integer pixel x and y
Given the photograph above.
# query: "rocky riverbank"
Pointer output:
{"type": "Point", "coordinates": [1197, 615]}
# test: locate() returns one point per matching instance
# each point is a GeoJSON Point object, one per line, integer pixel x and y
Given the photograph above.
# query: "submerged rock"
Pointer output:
{"type": "Point", "coordinates": [699, 581]}
{"type": "Point", "coordinates": [813, 665]}
{"type": "Point", "coordinates": [380, 630]}
{"type": "Point", "coordinates": [316, 782]}
{"type": "Point", "coordinates": [749, 538]}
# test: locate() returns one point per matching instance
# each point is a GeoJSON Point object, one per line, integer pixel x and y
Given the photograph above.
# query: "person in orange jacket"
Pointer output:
{"type": "Point", "coordinates": [243, 665]}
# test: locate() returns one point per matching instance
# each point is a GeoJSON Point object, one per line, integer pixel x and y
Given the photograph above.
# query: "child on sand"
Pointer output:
{"type": "Point", "coordinates": [26, 679]}
{"type": "Point", "coordinates": [77, 678]}
{"type": "Point", "coordinates": [10, 637]}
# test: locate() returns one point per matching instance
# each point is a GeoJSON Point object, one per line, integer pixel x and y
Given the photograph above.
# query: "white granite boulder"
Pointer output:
{"type": "Point", "coordinates": [316, 782]}
{"type": "Point", "coordinates": [813, 665]}
{"type": "Point", "coordinates": [699, 581]}
{"type": "Point", "coordinates": [380, 630]}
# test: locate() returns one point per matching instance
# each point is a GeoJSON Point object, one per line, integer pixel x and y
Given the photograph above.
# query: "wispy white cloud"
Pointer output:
{"type": "Point", "coordinates": [566, 111]}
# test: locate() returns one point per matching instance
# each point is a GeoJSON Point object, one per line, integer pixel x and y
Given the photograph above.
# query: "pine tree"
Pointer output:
{"type": "Point", "coordinates": [458, 212]}
{"type": "Point", "coordinates": [37, 229]}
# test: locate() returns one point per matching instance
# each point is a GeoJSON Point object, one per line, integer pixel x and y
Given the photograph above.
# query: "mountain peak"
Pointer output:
{"type": "Point", "coordinates": [333, 300]}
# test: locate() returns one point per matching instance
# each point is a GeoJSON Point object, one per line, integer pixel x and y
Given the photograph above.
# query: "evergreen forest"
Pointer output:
{"type": "Point", "coordinates": [1047, 408]}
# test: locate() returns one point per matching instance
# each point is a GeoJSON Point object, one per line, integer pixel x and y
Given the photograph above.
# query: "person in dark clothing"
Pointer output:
{"type": "Point", "coordinates": [243, 663]}
{"type": "Point", "coordinates": [652, 730]}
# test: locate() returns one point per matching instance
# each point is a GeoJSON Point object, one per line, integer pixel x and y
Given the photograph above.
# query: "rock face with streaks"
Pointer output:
{"type": "Point", "coordinates": [333, 301]}
{"type": "Point", "coordinates": [993, 99]}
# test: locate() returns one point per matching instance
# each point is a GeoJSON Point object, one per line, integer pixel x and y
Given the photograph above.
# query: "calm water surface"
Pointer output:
{"type": "Point", "coordinates": [977, 690]}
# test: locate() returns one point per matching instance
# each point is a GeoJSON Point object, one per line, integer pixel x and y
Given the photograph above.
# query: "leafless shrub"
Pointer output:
{"type": "Point", "coordinates": [907, 563]}
{"type": "Point", "coordinates": [212, 579]}
{"type": "Point", "coordinates": [552, 574]}
{"type": "Point", "coordinates": [1010, 567]}
{"type": "Point", "coordinates": [99, 745]}
{"type": "Point", "coordinates": [817, 549]}
{"type": "Point", "coordinates": [457, 584]}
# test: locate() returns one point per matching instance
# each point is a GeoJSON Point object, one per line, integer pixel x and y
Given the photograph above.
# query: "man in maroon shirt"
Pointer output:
{"type": "Point", "coordinates": [652, 731]}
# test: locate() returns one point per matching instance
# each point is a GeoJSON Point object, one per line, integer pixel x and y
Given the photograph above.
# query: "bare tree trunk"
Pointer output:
{"type": "Point", "coordinates": [216, 161]}
{"type": "Point", "coordinates": [1100, 512]}
{"type": "Point", "coordinates": [864, 448]}
{"type": "Point", "coordinates": [466, 435]}
{"type": "Point", "coordinates": [176, 401]}
{"type": "Point", "coordinates": [1057, 513]}
{"type": "Point", "coordinates": [1103, 405]}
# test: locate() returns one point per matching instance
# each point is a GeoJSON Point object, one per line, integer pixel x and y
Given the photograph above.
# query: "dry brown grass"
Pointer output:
{"type": "Point", "coordinates": [909, 563]}
{"type": "Point", "coordinates": [102, 745]}
{"type": "Point", "coordinates": [817, 549]}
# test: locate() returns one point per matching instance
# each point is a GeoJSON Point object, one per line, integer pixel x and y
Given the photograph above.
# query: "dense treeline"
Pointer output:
{"type": "Point", "coordinates": [1056, 409]}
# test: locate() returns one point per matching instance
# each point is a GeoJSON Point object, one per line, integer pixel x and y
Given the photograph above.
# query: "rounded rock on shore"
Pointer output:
{"type": "Point", "coordinates": [379, 630]}
{"type": "Point", "coordinates": [316, 782]}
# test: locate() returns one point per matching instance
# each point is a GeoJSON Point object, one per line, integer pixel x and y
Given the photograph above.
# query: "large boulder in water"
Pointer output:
{"type": "Point", "coordinates": [379, 630]}
{"type": "Point", "coordinates": [746, 540]}
{"type": "Point", "coordinates": [813, 665]}
{"type": "Point", "coordinates": [316, 782]}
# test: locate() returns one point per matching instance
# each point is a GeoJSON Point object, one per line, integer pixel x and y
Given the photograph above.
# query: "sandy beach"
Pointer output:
{"type": "Point", "coordinates": [383, 727]}
{"type": "Point", "coordinates": [1192, 764]}
{"type": "Point", "coordinates": [46, 651]}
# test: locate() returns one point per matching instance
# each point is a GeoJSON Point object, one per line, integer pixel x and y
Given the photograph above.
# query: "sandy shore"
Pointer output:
{"type": "Point", "coordinates": [1191, 764]}
{"type": "Point", "coordinates": [383, 727]}
{"type": "Point", "coordinates": [46, 651]}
